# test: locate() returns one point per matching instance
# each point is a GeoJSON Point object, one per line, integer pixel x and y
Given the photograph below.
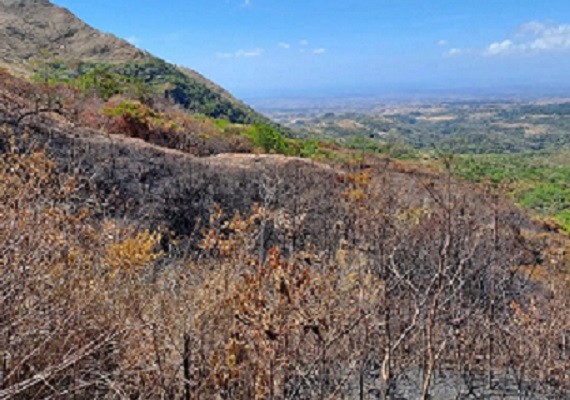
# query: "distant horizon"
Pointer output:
{"type": "Point", "coordinates": [409, 95]}
{"type": "Point", "coordinates": [272, 48]}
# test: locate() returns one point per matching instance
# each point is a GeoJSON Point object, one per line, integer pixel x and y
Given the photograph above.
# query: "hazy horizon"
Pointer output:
{"type": "Point", "coordinates": [406, 93]}
{"type": "Point", "coordinates": [275, 49]}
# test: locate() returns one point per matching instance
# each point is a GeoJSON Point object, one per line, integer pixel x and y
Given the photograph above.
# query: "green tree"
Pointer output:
{"type": "Point", "coordinates": [269, 139]}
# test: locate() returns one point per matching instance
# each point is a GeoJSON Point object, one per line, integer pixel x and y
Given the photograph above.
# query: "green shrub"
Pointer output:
{"type": "Point", "coordinates": [269, 139]}
{"type": "Point", "coordinates": [308, 148]}
{"type": "Point", "coordinates": [563, 219]}
{"type": "Point", "coordinates": [103, 83]}
{"type": "Point", "coordinates": [537, 181]}
{"type": "Point", "coordinates": [222, 123]}
{"type": "Point", "coordinates": [548, 198]}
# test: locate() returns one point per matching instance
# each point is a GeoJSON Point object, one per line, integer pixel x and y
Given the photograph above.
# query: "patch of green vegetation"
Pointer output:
{"type": "Point", "coordinates": [48, 69]}
{"type": "Point", "coordinates": [538, 181]}
{"type": "Point", "coordinates": [222, 123]}
{"type": "Point", "coordinates": [563, 219]}
{"type": "Point", "coordinates": [547, 198]}
{"type": "Point", "coordinates": [308, 148]}
{"type": "Point", "coordinates": [140, 82]}
{"type": "Point", "coordinates": [458, 127]}
{"type": "Point", "coordinates": [105, 83]}
{"type": "Point", "coordinates": [268, 139]}
{"type": "Point", "coordinates": [542, 109]}
{"type": "Point", "coordinates": [190, 93]}
{"type": "Point", "coordinates": [143, 78]}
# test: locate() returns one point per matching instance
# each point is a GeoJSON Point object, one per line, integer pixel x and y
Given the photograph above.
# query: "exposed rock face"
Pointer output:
{"type": "Point", "coordinates": [28, 27]}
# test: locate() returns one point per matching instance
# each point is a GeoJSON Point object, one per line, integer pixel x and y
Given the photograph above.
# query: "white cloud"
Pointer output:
{"type": "Point", "coordinates": [249, 53]}
{"type": "Point", "coordinates": [133, 40]}
{"type": "Point", "coordinates": [304, 42]}
{"type": "Point", "coordinates": [504, 47]}
{"type": "Point", "coordinates": [241, 53]}
{"type": "Point", "coordinates": [284, 45]}
{"type": "Point", "coordinates": [533, 37]}
{"type": "Point", "coordinates": [246, 3]}
{"type": "Point", "coordinates": [455, 52]}
{"type": "Point", "coordinates": [532, 27]}
{"type": "Point", "coordinates": [553, 38]}
{"type": "Point", "coordinates": [319, 51]}
{"type": "Point", "coordinates": [442, 42]}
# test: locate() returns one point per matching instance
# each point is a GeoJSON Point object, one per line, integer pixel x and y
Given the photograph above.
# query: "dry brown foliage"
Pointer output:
{"type": "Point", "coordinates": [418, 286]}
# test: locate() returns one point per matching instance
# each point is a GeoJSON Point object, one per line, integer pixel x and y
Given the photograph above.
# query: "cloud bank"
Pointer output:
{"type": "Point", "coordinates": [534, 37]}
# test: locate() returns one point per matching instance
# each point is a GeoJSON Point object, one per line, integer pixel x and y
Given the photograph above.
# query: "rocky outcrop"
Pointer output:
{"type": "Point", "coordinates": [30, 27]}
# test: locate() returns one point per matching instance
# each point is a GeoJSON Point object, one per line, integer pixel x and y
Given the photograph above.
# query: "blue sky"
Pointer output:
{"type": "Point", "coordinates": [275, 48]}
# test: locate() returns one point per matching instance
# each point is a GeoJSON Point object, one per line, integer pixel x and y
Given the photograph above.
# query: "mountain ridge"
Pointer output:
{"type": "Point", "coordinates": [29, 28]}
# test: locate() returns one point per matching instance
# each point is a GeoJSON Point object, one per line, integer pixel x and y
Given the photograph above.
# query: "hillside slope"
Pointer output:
{"type": "Point", "coordinates": [142, 258]}
{"type": "Point", "coordinates": [32, 28]}
{"type": "Point", "coordinates": [136, 251]}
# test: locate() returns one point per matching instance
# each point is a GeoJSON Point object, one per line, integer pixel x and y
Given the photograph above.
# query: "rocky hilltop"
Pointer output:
{"type": "Point", "coordinates": [29, 27]}
{"type": "Point", "coordinates": [38, 29]}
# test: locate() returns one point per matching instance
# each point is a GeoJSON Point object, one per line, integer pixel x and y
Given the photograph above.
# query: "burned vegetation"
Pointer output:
{"type": "Point", "coordinates": [132, 268]}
